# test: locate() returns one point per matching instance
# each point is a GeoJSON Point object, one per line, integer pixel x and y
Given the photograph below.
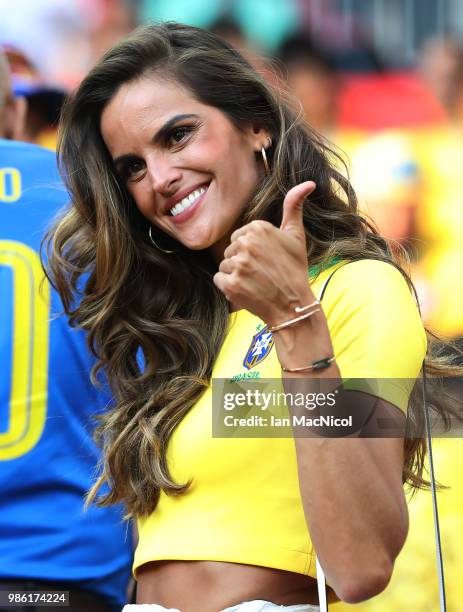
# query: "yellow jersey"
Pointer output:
{"type": "Point", "coordinates": [244, 504]}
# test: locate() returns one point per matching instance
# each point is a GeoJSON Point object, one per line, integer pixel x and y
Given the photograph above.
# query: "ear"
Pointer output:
{"type": "Point", "coordinates": [15, 118]}
{"type": "Point", "coordinates": [259, 137]}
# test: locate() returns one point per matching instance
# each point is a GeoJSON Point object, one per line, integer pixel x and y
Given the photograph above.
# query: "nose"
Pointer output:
{"type": "Point", "coordinates": [163, 174]}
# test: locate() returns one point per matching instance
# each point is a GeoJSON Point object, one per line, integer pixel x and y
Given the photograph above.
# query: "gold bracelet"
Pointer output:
{"type": "Point", "coordinates": [321, 364]}
{"type": "Point", "coordinates": [275, 328]}
{"type": "Point", "coordinates": [302, 308]}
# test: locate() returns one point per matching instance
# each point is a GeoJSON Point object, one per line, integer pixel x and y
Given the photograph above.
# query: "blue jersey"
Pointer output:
{"type": "Point", "coordinates": [47, 456]}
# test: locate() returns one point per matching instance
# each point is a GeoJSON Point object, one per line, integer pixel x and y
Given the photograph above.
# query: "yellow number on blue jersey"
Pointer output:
{"type": "Point", "coordinates": [31, 308]}
{"type": "Point", "coordinates": [10, 185]}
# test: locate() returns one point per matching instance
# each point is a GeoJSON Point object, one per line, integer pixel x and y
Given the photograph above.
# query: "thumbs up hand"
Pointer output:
{"type": "Point", "coordinates": [264, 269]}
{"type": "Point", "coordinates": [291, 222]}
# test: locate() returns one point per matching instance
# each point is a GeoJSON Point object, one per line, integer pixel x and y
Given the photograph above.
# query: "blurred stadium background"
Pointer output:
{"type": "Point", "coordinates": [384, 82]}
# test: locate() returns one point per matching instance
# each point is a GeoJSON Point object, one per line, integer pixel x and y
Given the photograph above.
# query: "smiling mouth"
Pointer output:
{"type": "Point", "coordinates": [188, 201]}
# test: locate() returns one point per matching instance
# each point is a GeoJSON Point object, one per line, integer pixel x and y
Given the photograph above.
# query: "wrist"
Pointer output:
{"type": "Point", "coordinates": [304, 342]}
{"type": "Point", "coordinates": [286, 311]}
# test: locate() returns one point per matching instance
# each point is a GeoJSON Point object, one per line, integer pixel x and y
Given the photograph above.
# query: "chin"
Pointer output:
{"type": "Point", "coordinates": [198, 243]}
{"type": "Point", "coordinates": [197, 247]}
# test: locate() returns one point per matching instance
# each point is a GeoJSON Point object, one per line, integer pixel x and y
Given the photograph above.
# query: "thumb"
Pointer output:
{"type": "Point", "coordinates": [292, 206]}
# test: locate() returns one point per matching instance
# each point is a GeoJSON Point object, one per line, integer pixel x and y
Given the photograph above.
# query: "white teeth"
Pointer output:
{"type": "Point", "coordinates": [187, 201]}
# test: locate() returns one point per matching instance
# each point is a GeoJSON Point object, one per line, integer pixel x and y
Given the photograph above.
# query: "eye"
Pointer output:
{"type": "Point", "coordinates": [131, 169]}
{"type": "Point", "coordinates": [179, 134]}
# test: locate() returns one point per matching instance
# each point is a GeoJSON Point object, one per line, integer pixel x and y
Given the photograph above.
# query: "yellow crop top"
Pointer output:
{"type": "Point", "coordinates": [244, 504]}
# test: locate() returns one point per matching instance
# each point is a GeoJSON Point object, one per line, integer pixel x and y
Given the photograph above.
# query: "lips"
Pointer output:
{"type": "Point", "coordinates": [187, 213]}
{"type": "Point", "coordinates": [171, 202]}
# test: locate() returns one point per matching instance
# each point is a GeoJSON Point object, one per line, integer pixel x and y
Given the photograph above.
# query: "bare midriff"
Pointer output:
{"type": "Point", "coordinates": [211, 586]}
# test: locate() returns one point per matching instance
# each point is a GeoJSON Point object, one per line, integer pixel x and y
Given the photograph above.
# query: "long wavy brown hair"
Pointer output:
{"type": "Point", "coordinates": [156, 321]}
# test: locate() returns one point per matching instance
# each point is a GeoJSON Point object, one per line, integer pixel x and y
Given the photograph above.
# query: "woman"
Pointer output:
{"type": "Point", "coordinates": [189, 177]}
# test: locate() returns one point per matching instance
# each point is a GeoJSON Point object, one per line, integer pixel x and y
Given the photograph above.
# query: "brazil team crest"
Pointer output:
{"type": "Point", "coordinates": [261, 346]}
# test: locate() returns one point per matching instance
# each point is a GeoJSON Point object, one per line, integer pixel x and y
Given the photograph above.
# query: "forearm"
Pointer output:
{"type": "Point", "coordinates": [356, 512]}
{"type": "Point", "coordinates": [356, 524]}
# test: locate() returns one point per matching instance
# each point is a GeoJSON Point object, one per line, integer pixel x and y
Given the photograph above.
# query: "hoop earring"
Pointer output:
{"type": "Point", "coordinates": [265, 160]}
{"type": "Point", "coordinates": [264, 156]}
{"type": "Point", "coordinates": [150, 236]}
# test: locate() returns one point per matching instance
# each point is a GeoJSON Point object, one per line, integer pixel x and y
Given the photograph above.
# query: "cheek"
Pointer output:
{"type": "Point", "coordinates": [208, 153]}
{"type": "Point", "coordinates": [239, 170]}
{"type": "Point", "coordinates": [226, 153]}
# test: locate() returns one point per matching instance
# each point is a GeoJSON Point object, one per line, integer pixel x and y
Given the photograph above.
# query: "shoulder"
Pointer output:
{"type": "Point", "coordinates": [367, 272]}
{"type": "Point", "coordinates": [26, 150]}
{"type": "Point", "coordinates": [368, 282]}
{"type": "Point", "coordinates": [372, 314]}
{"type": "Point", "coordinates": [30, 160]}
{"type": "Point", "coordinates": [30, 173]}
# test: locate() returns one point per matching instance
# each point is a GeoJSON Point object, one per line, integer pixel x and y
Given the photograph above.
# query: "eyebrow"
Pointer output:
{"type": "Point", "coordinates": [160, 134]}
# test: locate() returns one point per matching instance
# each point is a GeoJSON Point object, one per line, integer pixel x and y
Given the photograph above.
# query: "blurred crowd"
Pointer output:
{"type": "Point", "coordinates": [399, 126]}
{"type": "Point", "coordinates": [396, 117]}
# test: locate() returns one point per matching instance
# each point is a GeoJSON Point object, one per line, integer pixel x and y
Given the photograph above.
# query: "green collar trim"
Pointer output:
{"type": "Point", "coordinates": [315, 270]}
